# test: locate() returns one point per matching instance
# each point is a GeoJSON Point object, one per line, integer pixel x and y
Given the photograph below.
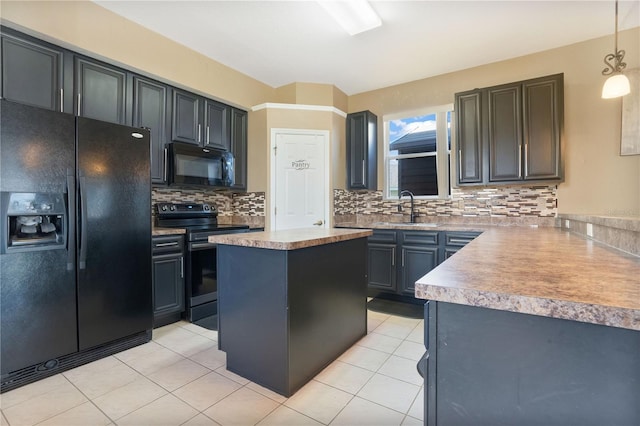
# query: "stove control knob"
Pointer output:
{"type": "Point", "coordinates": [163, 208]}
{"type": "Point", "coordinates": [206, 207]}
{"type": "Point", "coordinates": [172, 208]}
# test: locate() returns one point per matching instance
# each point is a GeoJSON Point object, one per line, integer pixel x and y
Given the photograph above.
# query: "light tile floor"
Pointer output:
{"type": "Point", "coordinates": [180, 378]}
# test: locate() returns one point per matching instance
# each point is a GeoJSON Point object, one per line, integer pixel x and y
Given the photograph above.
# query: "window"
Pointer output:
{"type": "Point", "coordinates": [417, 153]}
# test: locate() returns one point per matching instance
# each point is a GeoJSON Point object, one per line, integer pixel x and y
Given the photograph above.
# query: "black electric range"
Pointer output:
{"type": "Point", "coordinates": [201, 281]}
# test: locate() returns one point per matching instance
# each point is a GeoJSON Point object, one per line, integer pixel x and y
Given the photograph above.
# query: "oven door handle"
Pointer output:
{"type": "Point", "coordinates": [200, 246]}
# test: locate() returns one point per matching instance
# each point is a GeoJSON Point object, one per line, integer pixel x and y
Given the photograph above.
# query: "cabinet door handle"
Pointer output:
{"type": "Point", "coordinates": [520, 160]}
{"type": "Point", "coordinates": [403, 258]}
{"type": "Point", "coordinates": [165, 164]}
{"type": "Point", "coordinates": [199, 132]}
{"type": "Point", "coordinates": [208, 139]}
{"type": "Point", "coordinates": [363, 173]}
{"type": "Point", "coordinates": [182, 267]}
{"type": "Point", "coordinates": [166, 244]}
{"type": "Point", "coordinates": [526, 159]}
{"type": "Point", "coordinates": [61, 100]}
{"type": "Point", "coordinates": [460, 165]}
{"type": "Point", "coordinates": [393, 256]}
{"type": "Point", "coordinates": [79, 99]}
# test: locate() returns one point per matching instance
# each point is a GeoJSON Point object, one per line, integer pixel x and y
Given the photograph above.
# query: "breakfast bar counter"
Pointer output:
{"type": "Point", "coordinates": [290, 302]}
{"type": "Point", "coordinates": [532, 326]}
{"type": "Point", "coordinates": [541, 271]}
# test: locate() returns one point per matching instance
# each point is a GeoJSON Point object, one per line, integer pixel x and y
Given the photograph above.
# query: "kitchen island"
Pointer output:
{"type": "Point", "coordinates": [290, 302]}
{"type": "Point", "coordinates": [532, 326]}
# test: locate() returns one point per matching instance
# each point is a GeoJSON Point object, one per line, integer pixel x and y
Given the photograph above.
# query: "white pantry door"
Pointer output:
{"type": "Point", "coordinates": [299, 178]}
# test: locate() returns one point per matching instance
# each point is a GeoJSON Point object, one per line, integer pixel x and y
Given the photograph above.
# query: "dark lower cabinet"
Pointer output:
{"type": "Point", "coordinates": [415, 262]}
{"type": "Point", "coordinates": [100, 91]}
{"type": "Point", "coordinates": [491, 367]}
{"type": "Point", "coordinates": [168, 279]}
{"type": "Point", "coordinates": [398, 258]}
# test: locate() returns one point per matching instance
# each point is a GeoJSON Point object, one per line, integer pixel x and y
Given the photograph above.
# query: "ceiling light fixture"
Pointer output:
{"type": "Point", "coordinates": [355, 16]}
{"type": "Point", "coordinates": [618, 84]}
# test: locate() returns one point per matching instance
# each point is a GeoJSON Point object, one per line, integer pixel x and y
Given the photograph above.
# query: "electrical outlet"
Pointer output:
{"type": "Point", "coordinates": [589, 230]}
{"type": "Point", "coordinates": [567, 224]}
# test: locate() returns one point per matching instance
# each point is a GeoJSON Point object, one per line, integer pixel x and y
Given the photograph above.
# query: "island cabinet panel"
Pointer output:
{"type": "Point", "coordinates": [291, 313]}
{"type": "Point", "coordinates": [492, 367]}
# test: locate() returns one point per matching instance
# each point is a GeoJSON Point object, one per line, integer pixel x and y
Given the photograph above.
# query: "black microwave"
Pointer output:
{"type": "Point", "coordinates": [192, 165]}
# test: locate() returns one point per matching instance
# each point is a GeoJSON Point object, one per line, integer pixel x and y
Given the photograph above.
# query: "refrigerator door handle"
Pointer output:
{"type": "Point", "coordinates": [71, 218]}
{"type": "Point", "coordinates": [82, 262]}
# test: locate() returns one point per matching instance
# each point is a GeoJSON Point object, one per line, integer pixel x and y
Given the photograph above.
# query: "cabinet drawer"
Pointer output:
{"type": "Point", "coordinates": [167, 244]}
{"type": "Point", "coordinates": [383, 236]}
{"type": "Point", "coordinates": [420, 237]}
{"type": "Point", "coordinates": [459, 239]}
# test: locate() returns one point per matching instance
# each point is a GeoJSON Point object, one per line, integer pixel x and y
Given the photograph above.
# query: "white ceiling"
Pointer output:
{"type": "Point", "coordinates": [281, 42]}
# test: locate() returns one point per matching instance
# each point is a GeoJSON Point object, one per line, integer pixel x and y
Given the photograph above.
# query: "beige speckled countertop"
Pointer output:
{"type": "Point", "coordinates": [156, 231]}
{"type": "Point", "coordinates": [290, 239]}
{"type": "Point", "coordinates": [540, 271]}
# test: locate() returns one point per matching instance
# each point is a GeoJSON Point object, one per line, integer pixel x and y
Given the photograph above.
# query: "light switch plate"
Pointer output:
{"type": "Point", "coordinates": [589, 230]}
{"type": "Point", "coordinates": [567, 224]}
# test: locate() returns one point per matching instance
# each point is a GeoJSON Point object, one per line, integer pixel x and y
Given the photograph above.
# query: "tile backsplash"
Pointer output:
{"type": "Point", "coordinates": [480, 203]}
{"type": "Point", "coordinates": [230, 205]}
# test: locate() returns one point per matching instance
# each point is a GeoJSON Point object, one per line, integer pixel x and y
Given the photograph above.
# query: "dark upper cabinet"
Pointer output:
{"type": "Point", "coordinates": [151, 107]}
{"type": "Point", "coordinates": [469, 128]}
{"type": "Point", "coordinates": [217, 125]}
{"type": "Point", "coordinates": [187, 120]}
{"type": "Point", "coordinates": [32, 72]}
{"type": "Point", "coordinates": [542, 110]}
{"type": "Point", "coordinates": [511, 133]}
{"type": "Point", "coordinates": [100, 91]}
{"type": "Point", "coordinates": [362, 150]}
{"type": "Point", "coordinates": [239, 148]}
{"type": "Point", "coordinates": [505, 133]}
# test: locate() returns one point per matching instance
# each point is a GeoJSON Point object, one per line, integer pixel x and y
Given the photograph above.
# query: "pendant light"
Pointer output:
{"type": "Point", "coordinates": [618, 84]}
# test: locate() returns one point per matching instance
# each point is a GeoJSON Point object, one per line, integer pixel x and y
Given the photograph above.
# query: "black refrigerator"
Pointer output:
{"type": "Point", "coordinates": [75, 255]}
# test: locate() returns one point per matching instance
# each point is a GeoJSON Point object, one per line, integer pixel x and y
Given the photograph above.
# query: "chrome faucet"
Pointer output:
{"type": "Point", "coordinates": [410, 194]}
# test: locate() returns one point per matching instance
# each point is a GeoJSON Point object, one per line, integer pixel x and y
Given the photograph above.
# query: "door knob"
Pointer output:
{"type": "Point", "coordinates": [318, 223]}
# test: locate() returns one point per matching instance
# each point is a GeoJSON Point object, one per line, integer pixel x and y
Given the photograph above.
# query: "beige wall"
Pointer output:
{"type": "Point", "coordinates": [597, 179]}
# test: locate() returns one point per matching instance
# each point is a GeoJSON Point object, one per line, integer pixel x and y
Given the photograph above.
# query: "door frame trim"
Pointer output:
{"type": "Point", "coordinates": [272, 173]}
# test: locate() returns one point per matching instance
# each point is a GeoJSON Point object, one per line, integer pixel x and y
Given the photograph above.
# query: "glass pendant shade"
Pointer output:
{"type": "Point", "coordinates": [617, 85]}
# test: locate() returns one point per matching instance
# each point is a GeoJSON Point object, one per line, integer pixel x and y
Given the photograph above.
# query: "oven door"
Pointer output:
{"type": "Point", "coordinates": [202, 280]}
